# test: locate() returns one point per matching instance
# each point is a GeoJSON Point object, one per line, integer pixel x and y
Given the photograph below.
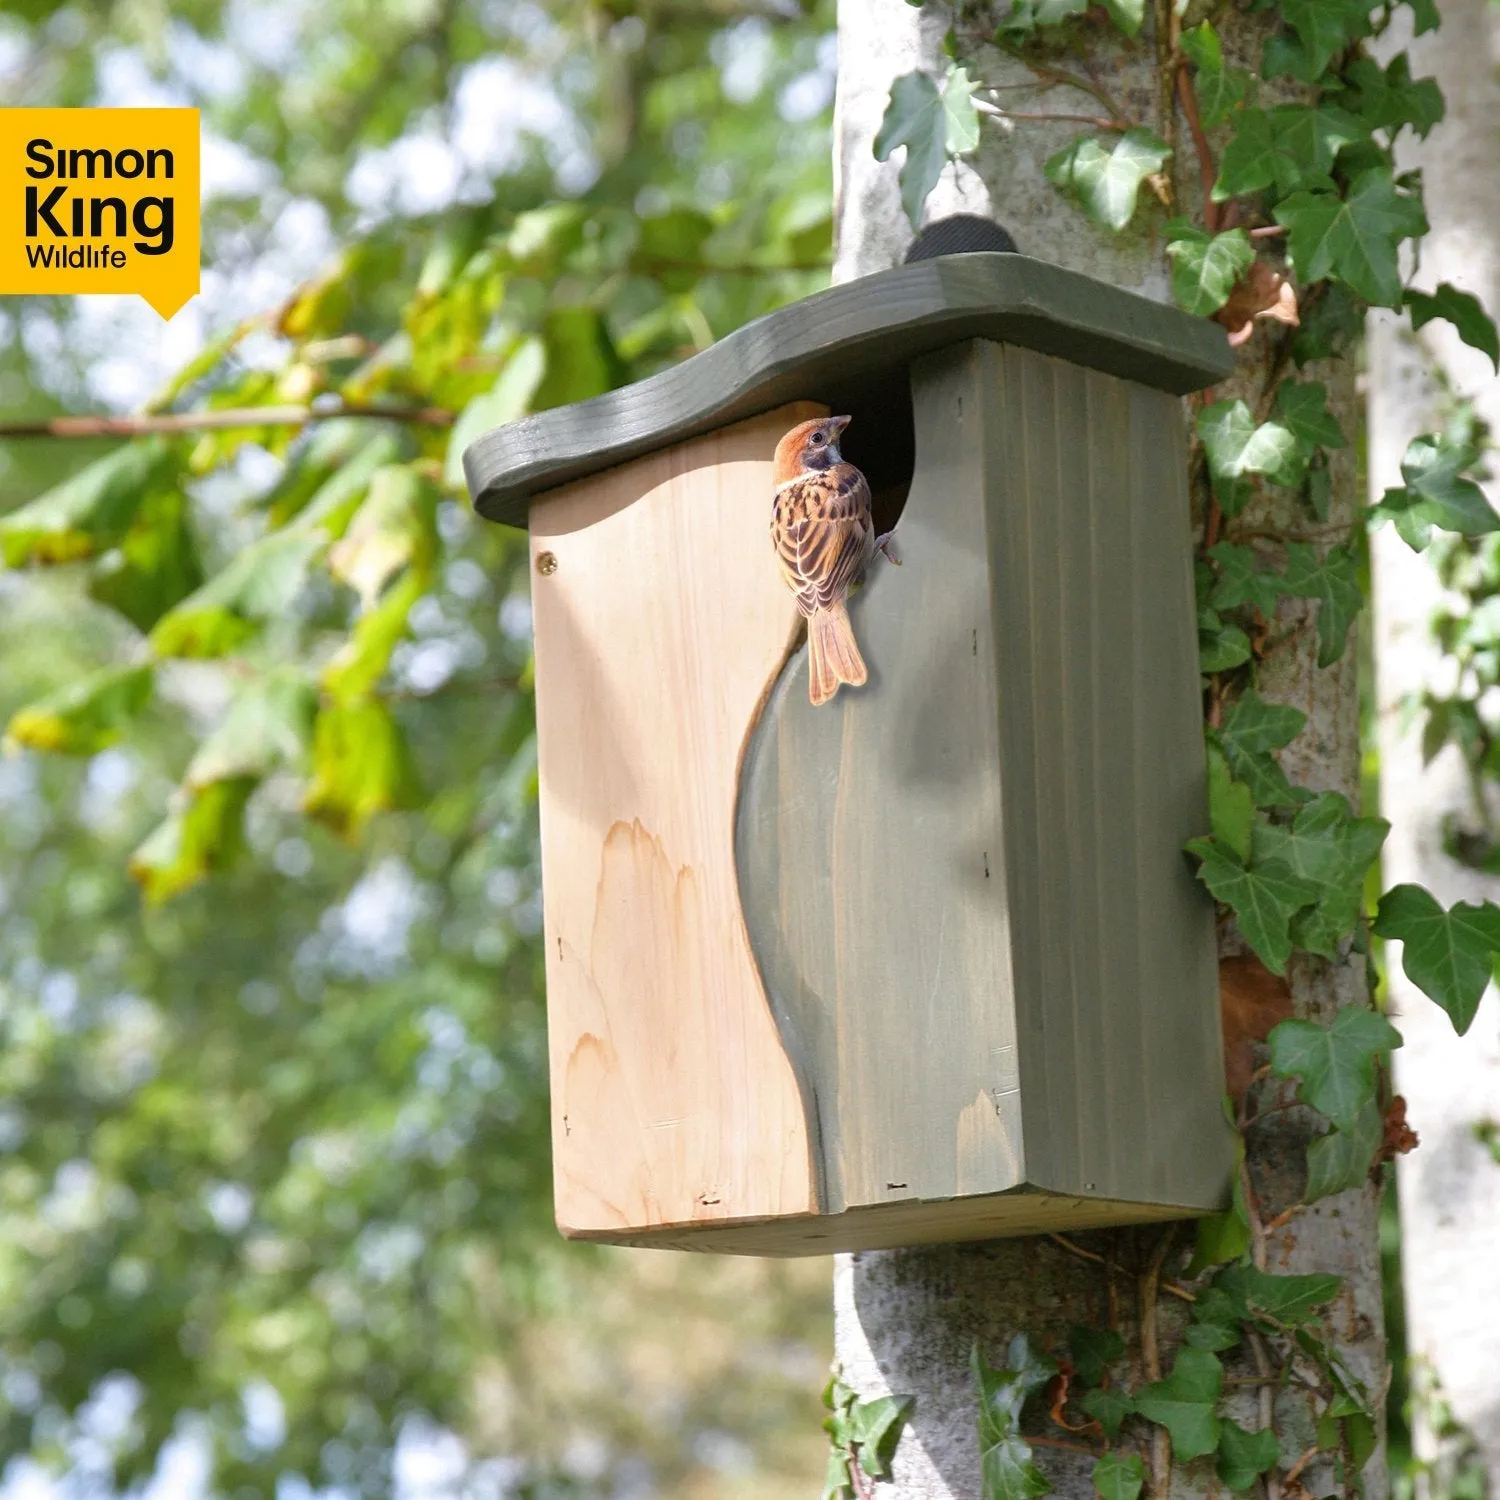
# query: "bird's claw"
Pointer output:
{"type": "Point", "coordinates": [883, 544]}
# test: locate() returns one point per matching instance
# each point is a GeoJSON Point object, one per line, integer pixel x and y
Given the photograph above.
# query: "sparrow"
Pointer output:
{"type": "Point", "coordinates": [825, 539]}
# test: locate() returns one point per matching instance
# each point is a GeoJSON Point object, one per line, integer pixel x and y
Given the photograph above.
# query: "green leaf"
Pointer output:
{"type": "Point", "coordinates": [395, 526]}
{"type": "Point", "coordinates": [1205, 267]}
{"type": "Point", "coordinates": [1464, 311]}
{"type": "Point", "coordinates": [1231, 809]}
{"type": "Point", "coordinates": [1027, 15]}
{"type": "Point", "coordinates": [1107, 182]}
{"type": "Point", "coordinates": [361, 766]}
{"type": "Point", "coordinates": [921, 118]}
{"type": "Point", "coordinates": [1245, 1456]}
{"type": "Point", "coordinates": [1436, 492]}
{"type": "Point", "coordinates": [84, 716]}
{"type": "Point", "coordinates": [1353, 238]}
{"type": "Point", "coordinates": [1251, 729]}
{"type": "Point", "coordinates": [509, 398]}
{"type": "Point", "coordinates": [960, 118]}
{"type": "Point", "coordinates": [1219, 1238]}
{"type": "Point", "coordinates": [360, 663]}
{"type": "Point", "coordinates": [201, 835]}
{"type": "Point", "coordinates": [1185, 1402]}
{"type": "Point", "coordinates": [1333, 849]}
{"type": "Point", "coordinates": [1108, 1407]}
{"type": "Point", "coordinates": [1336, 1063]}
{"type": "Point", "coordinates": [1236, 445]}
{"type": "Point", "coordinates": [156, 564]}
{"type": "Point", "coordinates": [1263, 900]}
{"type": "Point", "coordinates": [1220, 89]}
{"type": "Point", "coordinates": [1222, 648]}
{"type": "Point", "coordinates": [1303, 406]}
{"type": "Point", "coordinates": [1127, 14]}
{"type": "Point", "coordinates": [1333, 580]}
{"type": "Point", "coordinates": [1093, 1351]}
{"type": "Point", "coordinates": [1288, 1300]}
{"type": "Point", "coordinates": [258, 584]}
{"type": "Point", "coordinates": [1119, 1476]}
{"type": "Point", "coordinates": [1342, 1159]}
{"type": "Point", "coordinates": [1388, 99]}
{"type": "Point", "coordinates": [1242, 582]}
{"type": "Point", "coordinates": [86, 513]}
{"type": "Point", "coordinates": [1006, 1471]}
{"type": "Point", "coordinates": [1216, 1337]}
{"type": "Point", "coordinates": [876, 1428]}
{"type": "Point", "coordinates": [838, 1482]}
{"type": "Point", "coordinates": [1448, 955]}
{"type": "Point", "coordinates": [1326, 27]}
{"type": "Point", "coordinates": [581, 358]}
{"type": "Point", "coordinates": [1289, 147]}
{"type": "Point", "coordinates": [267, 725]}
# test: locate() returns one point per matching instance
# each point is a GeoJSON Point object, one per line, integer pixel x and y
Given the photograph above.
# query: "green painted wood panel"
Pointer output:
{"type": "Point", "coordinates": [963, 884]}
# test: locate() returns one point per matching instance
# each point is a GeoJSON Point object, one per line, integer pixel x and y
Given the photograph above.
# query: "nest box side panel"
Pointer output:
{"type": "Point", "coordinates": [657, 638]}
{"type": "Point", "coordinates": [872, 869]}
{"type": "Point", "coordinates": [1105, 780]}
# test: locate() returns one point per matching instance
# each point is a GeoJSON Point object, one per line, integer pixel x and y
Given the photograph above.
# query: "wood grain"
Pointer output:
{"type": "Point", "coordinates": [660, 623]}
{"type": "Point", "coordinates": [845, 347]}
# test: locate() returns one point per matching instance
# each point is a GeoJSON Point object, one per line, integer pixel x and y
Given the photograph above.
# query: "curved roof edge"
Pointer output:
{"type": "Point", "coordinates": [839, 340]}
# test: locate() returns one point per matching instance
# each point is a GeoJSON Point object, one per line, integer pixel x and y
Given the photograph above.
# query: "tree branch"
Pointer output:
{"type": "Point", "coordinates": [207, 421]}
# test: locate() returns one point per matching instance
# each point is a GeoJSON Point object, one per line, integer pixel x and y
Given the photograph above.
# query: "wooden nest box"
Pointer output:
{"type": "Point", "coordinates": [927, 962]}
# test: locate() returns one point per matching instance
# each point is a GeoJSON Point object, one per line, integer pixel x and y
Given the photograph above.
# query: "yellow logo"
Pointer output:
{"type": "Point", "coordinates": [100, 200]}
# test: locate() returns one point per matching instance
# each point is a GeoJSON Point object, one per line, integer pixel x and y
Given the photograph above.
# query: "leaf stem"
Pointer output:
{"type": "Point", "coordinates": [207, 421]}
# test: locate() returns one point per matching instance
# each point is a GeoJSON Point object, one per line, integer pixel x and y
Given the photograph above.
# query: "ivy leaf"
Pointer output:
{"type": "Point", "coordinates": [85, 716]}
{"type": "Point", "coordinates": [1436, 493]}
{"type": "Point", "coordinates": [1388, 99]}
{"type": "Point", "coordinates": [1221, 646]}
{"type": "Point", "coordinates": [1093, 1351]}
{"type": "Point", "coordinates": [1286, 1299]}
{"type": "Point", "coordinates": [1108, 1407]}
{"type": "Point", "coordinates": [1242, 582]}
{"type": "Point", "coordinates": [838, 1482]}
{"type": "Point", "coordinates": [361, 766]}
{"type": "Point", "coordinates": [1326, 27]}
{"type": "Point", "coordinates": [932, 125]}
{"type": "Point", "coordinates": [1231, 809]}
{"type": "Point", "coordinates": [1353, 238]}
{"type": "Point", "coordinates": [1463, 310]}
{"type": "Point", "coordinates": [1245, 1456]}
{"type": "Point", "coordinates": [258, 584]}
{"type": "Point", "coordinates": [1333, 580]}
{"type": "Point", "coordinates": [202, 834]}
{"type": "Point", "coordinates": [1006, 1471]}
{"type": "Point", "coordinates": [1027, 15]}
{"type": "Point", "coordinates": [1448, 955]}
{"type": "Point", "coordinates": [1334, 850]}
{"type": "Point", "coordinates": [1336, 1063]}
{"type": "Point", "coordinates": [1263, 899]}
{"type": "Point", "coordinates": [1219, 1238]}
{"type": "Point", "coordinates": [86, 513]}
{"type": "Point", "coordinates": [1341, 1159]}
{"type": "Point", "coordinates": [1216, 1337]}
{"type": "Point", "coordinates": [1251, 730]}
{"type": "Point", "coordinates": [1107, 183]}
{"type": "Point", "coordinates": [1184, 1403]}
{"type": "Point", "coordinates": [1119, 1476]}
{"type": "Point", "coordinates": [876, 1428]}
{"type": "Point", "coordinates": [1206, 266]}
{"type": "Point", "coordinates": [1220, 89]}
{"type": "Point", "coordinates": [1312, 136]}
{"type": "Point", "coordinates": [1303, 406]}
{"type": "Point", "coordinates": [1236, 445]}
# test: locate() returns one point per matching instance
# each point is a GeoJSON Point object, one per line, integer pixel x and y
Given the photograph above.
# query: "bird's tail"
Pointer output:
{"type": "Point", "coordinates": [832, 653]}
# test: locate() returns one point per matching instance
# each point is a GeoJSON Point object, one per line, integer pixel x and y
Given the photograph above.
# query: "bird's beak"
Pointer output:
{"type": "Point", "coordinates": [839, 424]}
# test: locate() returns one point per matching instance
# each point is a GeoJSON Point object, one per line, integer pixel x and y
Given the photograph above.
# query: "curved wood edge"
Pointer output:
{"type": "Point", "coordinates": [834, 344]}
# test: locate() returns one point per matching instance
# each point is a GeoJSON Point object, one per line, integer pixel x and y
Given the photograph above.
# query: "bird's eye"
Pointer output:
{"type": "Point", "coordinates": [818, 439]}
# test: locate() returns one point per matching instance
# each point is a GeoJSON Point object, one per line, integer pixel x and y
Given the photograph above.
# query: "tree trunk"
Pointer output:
{"type": "Point", "coordinates": [1450, 1188]}
{"type": "Point", "coordinates": [905, 1320]}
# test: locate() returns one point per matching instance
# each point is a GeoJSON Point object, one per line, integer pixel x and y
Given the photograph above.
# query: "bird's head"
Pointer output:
{"type": "Point", "coordinates": [809, 446]}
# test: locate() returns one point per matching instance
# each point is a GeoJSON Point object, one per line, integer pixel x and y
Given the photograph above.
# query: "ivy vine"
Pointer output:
{"type": "Point", "coordinates": [1301, 227]}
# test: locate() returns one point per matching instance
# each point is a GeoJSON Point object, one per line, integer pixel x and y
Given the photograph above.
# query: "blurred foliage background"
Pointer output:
{"type": "Point", "coordinates": [273, 1157]}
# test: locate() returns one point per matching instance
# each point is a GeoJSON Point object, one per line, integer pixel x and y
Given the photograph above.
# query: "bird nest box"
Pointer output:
{"type": "Point", "coordinates": [926, 962]}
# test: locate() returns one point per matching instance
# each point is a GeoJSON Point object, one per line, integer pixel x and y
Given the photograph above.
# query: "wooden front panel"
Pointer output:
{"type": "Point", "coordinates": [661, 623]}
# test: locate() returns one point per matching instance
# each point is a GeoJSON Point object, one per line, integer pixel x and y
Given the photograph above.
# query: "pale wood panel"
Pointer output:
{"type": "Point", "coordinates": [658, 635]}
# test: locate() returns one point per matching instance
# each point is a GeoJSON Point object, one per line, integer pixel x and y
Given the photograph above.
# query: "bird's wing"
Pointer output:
{"type": "Point", "coordinates": [823, 533]}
